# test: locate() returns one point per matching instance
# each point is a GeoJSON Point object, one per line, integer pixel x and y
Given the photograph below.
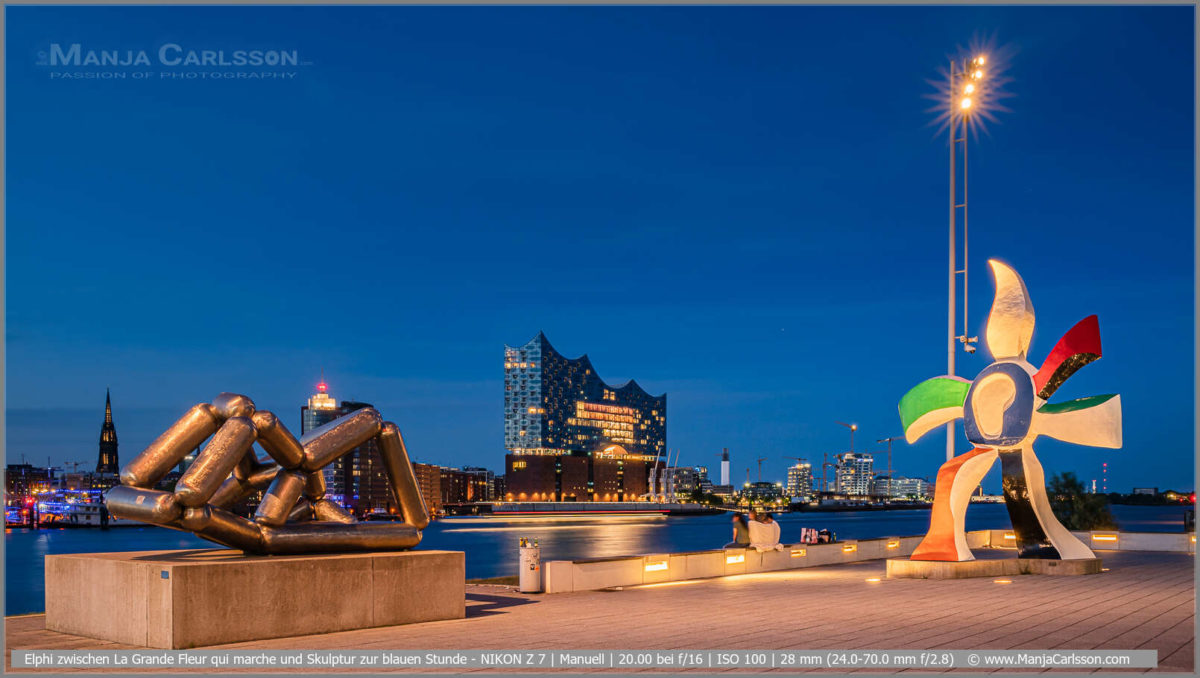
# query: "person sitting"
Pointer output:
{"type": "Point", "coordinates": [764, 534]}
{"type": "Point", "coordinates": [741, 533]}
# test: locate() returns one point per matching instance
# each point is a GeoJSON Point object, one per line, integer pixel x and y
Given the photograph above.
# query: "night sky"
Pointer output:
{"type": "Point", "coordinates": [744, 208]}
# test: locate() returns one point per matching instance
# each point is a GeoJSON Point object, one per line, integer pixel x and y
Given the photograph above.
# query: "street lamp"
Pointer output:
{"type": "Point", "coordinates": [966, 83]}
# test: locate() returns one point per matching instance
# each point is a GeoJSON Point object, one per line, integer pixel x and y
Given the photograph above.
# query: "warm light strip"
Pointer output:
{"type": "Point", "coordinates": [895, 543]}
{"type": "Point", "coordinates": [1104, 537]}
{"type": "Point", "coordinates": [739, 558]}
{"type": "Point", "coordinates": [849, 548]}
{"type": "Point", "coordinates": [656, 566]}
{"type": "Point", "coordinates": [1009, 535]}
{"type": "Point", "coordinates": [799, 553]}
{"type": "Point", "coordinates": [1002, 581]}
{"type": "Point", "coordinates": [874, 580]}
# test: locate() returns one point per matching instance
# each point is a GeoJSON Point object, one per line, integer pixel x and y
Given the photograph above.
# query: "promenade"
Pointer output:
{"type": "Point", "coordinates": [1145, 601]}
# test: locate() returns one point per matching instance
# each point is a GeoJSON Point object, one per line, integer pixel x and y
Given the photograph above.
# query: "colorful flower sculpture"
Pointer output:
{"type": "Point", "coordinates": [1004, 410]}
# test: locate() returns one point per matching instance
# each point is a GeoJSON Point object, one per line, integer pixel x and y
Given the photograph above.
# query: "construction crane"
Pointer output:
{"type": "Point", "coordinates": [889, 454]}
{"type": "Point", "coordinates": [825, 465]}
{"type": "Point", "coordinates": [760, 461]}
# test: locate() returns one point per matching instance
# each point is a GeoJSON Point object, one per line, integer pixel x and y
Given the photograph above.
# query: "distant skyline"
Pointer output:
{"type": "Point", "coordinates": [742, 207]}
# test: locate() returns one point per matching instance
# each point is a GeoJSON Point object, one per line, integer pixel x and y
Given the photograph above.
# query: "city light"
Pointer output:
{"type": "Point", "coordinates": [656, 566]}
{"type": "Point", "coordinates": [1002, 581]}
{"type": "Point", "coordinates": [739, 558]}
{"type": "Point", "coordinates": [966, 103]}
{"type": "Point", "coordinates": [799, 553]}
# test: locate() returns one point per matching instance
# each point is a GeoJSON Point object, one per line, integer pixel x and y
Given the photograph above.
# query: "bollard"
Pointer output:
{"type": "Point", "coordinates": [530, 566]}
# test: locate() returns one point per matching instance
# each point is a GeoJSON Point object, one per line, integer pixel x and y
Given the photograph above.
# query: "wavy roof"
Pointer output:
{"type": "Point", "coordinates": [630, 386]}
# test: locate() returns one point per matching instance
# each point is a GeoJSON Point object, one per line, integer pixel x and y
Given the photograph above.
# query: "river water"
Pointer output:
{"type": "Point", "coordinates": [490, 544]}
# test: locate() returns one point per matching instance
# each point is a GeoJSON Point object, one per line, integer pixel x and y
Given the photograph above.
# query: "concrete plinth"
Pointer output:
{"type": "Point", "coordinates": [904, 568]}
{"type": "Point", "coordinates": [184, 599]}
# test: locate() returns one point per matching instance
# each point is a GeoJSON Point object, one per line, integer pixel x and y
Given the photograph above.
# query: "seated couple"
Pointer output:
{"type": "Point", "coordinates": [760, 532]}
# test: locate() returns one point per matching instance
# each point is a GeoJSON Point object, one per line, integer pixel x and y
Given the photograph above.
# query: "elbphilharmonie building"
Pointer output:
{"type": "Point", "coordinates": [570, 435]}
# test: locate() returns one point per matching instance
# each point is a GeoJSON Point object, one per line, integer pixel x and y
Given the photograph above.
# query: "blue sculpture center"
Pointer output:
{"type": "Point", "coordinates": [999, 407]}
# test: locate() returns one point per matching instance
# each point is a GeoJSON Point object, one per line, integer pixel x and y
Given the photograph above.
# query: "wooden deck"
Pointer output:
{"type": "Point", "coordinates": [1145, 601]}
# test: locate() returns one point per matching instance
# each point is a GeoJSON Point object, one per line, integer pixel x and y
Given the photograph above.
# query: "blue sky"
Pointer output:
{"type": "Point", "coordinates": [742, 207]}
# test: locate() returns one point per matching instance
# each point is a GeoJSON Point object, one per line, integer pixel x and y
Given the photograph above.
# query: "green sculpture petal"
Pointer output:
{"type": "Point", "coordinates": [1072, 405]}
{"type": "Point", "coordinates": [931, 403]}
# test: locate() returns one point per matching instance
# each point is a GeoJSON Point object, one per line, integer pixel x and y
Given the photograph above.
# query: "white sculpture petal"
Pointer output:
{"type": "Point", "coordinates": [1097, 426]}
{"type": "Point", "coordinates": [931, 420]}
{"type": "Point", "coordinates": [1068, 545]}
{"type": "Point", "coordinates": [1010, 324]}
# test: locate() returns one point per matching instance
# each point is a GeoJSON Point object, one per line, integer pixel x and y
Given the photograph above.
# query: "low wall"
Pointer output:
{"type": "Point", "coordinates": [1110, 540]}
{"type": "Point", "coordinates": [566, 576]}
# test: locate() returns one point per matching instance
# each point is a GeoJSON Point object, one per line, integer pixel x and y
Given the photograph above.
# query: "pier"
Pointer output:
{"type": "Point", "coordinates": [1144, 601]}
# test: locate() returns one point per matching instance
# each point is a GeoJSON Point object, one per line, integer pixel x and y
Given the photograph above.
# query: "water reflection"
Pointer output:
{"type": "Point", "coordinates": [490, 545]}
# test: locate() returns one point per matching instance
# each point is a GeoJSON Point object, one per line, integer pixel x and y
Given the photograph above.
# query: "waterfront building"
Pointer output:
{"type": "Point", "coordinates": [498, 488]}
{"type": "Point", "coordinates": [357, 480]}
{"type": "Point", "coordinates": [725, 492]}
{"type": "Point", "coordinates": [800, 481]}
{"type": "Point", "coordinates": [725, 466]}
{"type": "Point", "coordinates": [761, 492]}
{"type": "Point", "coordinates": [900, 487]}
{"type": "Point", "coordinates": [457, 486]}
{"type": "Point", "coordinates": [570, 435]}
{"type": "Point", "coordinates": [108, 463]}
{"type": "Point", "coordinates": [483, 486]}
{"type": "Point", "coordinates": [429, 479]}
{"type": "Point", "coordinates": [854, 473]}
{"type": "Point", "coordinates": [23, 481]}
{"type": "Point", "coordinates": [686, 479]}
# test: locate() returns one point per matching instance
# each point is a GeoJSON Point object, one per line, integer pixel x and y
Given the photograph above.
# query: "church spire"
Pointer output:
{"type": "Point", "coordinates": [107, 463]}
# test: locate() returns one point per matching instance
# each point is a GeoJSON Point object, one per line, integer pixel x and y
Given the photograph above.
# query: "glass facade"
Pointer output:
{"type": "Point", "coordinates": [570, 435]}
{"type": "Point", "coordinates": [556, 405]}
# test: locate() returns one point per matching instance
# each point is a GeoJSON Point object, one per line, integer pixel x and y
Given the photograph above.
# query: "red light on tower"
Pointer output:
{"type": "Point", "coordinates": [321, 387]}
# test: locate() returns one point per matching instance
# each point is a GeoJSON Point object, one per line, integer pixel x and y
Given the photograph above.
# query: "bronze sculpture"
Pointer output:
{"type": "Point", "coordinates": [294, 515]}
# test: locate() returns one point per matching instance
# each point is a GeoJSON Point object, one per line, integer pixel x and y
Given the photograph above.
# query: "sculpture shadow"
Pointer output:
{"type": "Point", "coordinates": [492, 604]}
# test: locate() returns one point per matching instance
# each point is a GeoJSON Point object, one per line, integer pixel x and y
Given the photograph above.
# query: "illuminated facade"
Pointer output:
{"type": "Point", "coordinates": [357, 479]}
{"type": "Point", "coordinates": [570, 435]}
{"type": "Point", "coordinates": [800, 481]}
{"type": "Point", "coordinates": [854, 473]}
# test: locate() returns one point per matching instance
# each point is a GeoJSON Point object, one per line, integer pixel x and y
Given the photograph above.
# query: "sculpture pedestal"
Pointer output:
{"type": "Point", "coordinates": [184, 599]}
{"type": "Point", "coordinates": [904, 568]}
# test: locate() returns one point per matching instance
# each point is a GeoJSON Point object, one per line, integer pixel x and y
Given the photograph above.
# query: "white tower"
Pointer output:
{"type": "Point", "coordinates": [725, 466]}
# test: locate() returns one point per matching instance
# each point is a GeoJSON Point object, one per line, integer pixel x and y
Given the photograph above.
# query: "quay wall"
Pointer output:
{"type": "Point", "coordinates": [567, 576]}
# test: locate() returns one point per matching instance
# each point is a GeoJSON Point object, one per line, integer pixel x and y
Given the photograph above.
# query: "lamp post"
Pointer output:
{"type": "Point", "coordinates": [966, 81]}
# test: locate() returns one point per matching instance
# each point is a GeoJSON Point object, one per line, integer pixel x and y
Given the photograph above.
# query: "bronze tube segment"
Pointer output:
{"type": "Point", "coordinates": [280, 498]}
{"type": "Point", "coordinates": [335, 537]}
{"type": "Point", "coordinates": [227, 447]}
{"type": "Point", "coordinates": [403, 480]}
{"type": "Point", "coordinates": [171, 447]}
{"type": "Point", "coordinates": [147, 506]}
{"type": "Point", "coordinates": [277, 440]}
{"type": "Point", "coordinates": [327, 443]}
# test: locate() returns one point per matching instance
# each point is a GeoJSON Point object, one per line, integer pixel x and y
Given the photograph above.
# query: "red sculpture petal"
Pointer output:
{"type": "Point", "coordinates": [1078, 347]}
